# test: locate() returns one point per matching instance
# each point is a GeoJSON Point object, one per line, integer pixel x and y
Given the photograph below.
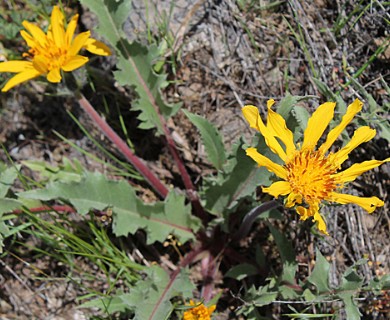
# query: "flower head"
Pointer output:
{"type": "Point", "coordinates": [198, 312]}
{"type": "Point", "coordinates": [310, 174]}
{"type": "Point", "coordinates": [53, 51]}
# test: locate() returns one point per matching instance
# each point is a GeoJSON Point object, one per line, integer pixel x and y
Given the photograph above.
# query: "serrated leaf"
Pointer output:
{"type": "Point", "coordinates": [351, 308]}
{"type": "Point", "coordinates": [150, 298]}
{"type": "Point", "coordinates": [95, 191]}
{"type": "Point", "coordinates": [350, 285]}
{"type": "Point", "coordinates": [287, 104]}
{"type": "Point", "coordinates": [302, 116]}
{"type": "Point", "coordinates": [308, 295]}
{"type": "Point", "coordinates": [351, 280]}
{"type": "Point", "coordinates": [211, 139]}
{"type": "Point", "coordinates": [135, 63]}
{"type": "Point", "coordinates": [240, 179]}
{"type": "Point", "coordinates": [320, 274]}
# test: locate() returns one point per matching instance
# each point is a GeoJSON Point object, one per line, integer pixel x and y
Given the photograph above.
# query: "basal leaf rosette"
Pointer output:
{"type": "Point", "coordinates": [309, 174]}
{"type": "Point", "coordinates": [51, 52]}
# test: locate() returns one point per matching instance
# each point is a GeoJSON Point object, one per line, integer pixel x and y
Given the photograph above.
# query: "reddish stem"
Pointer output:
{"type": "Point", "coordinates": [48, 208]}
{"type": "Point", "coordinates": [138, 164]}
{"type": "Point", "coordinates": [185, 262]}
{"type": "Point", "coordinates": [191, 191]}
{"type": "Point", "coordinates": [209, 268]}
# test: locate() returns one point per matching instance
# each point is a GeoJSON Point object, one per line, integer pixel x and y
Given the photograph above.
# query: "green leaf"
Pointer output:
{"type": "Point", "coordinates": [7, 178]}
{"type": "Point", "coordinates": [385, 130]}
{"type": "Point", "coordinates": [211, 139]}
{"type": "Point", "coordinates": [286, 105]}
{"type": "Point", "coordinates": [135, 63]}
{"type": "Point", "coordinates": [320, 274]}
{"type": "Point", "coordinates": [330, 96]}
{"type": "Point", "coordinates": [8, 205]}
{"type": "Point", "coordinates": [351, 308]}
{"type": "Point", "coordinates": [150, 298]}
{"type": "Point", "coordinates": [261, 297]}
{"type": "Point", "coordinates": [287, 255]}
{"type": "Point", "coordinates": [95, 191]}
{"type": "Point", "coordinates": [350, 285]}
{"type": "Point", "coordinates": [240, 179]}
{"type": "Point", "coordinates": [242, 271]}
{"type": "Point", "coordinates": [383, 283]}
{"type": "Point", "coordinates": [296, 116]}
{"type": "Point", "coordinates": [351, 280]}
{"type": "Point", "coordinates": [301, 115]}
{"type": "Point", "coordinates": [109, 304]}
{"type": "Point", "coordinates": [66, 172]}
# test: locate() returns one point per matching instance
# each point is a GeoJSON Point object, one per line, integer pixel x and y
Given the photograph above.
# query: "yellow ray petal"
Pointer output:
{"type": "Point", "coordinates": [71, 29]}
{"type": "Point", "coordinates": [35, 32]}
{"type": "Point", "coordinates": [278, 188]}
{"type": "Point", "coordinates": [20, 77]}
{"type": "Point", "coordinates": [74, 63]}
{"type": "Point", "coordinates": [357, 169]}
{"type": "Point", "coordinates": [54, 76]}
{"type": "Point", "coordinates": [251, 114]}
{"type": "Point", "coordinates": [265, 162]}
{"type": "Point", "coordinates": [293, 199]}
{"type": "Point", "coordinates": [15, 66]}
{"type": "Point", "coordinates": [303, 213]}
{"type": "Point", "coordinates": [29, 39]}
{"type": "Point", "coordinates": [96, 47]}
{"type": "Point", "coordinates": [368, 204]}
{"type": "Point", "coordinates": [321, 225]}
{"type": "Point", "coordinates": [352, 110]}
{"type": "Point", "coordinates": [277, 125]}
{"type": "Point", "coordinates": [361, 135]}
{"type": "Point", "coordinates": [211, 309]}
{"type": "Point", "coordinates": [41, 63]}
{"type": "Point", "coordinates": [57, 27]}
{"type": "Point", "coordinates": [78, 42]}
{"type": "Point", "coordinates": [317, 124]}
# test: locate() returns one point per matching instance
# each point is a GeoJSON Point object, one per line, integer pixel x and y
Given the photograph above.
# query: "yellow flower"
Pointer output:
{"type": "Point", "coordinates": [57, 50]}
{"type": "Point", "coordinates": [199, 312]}
{"type": "Point", "coordinates": [311, 175]}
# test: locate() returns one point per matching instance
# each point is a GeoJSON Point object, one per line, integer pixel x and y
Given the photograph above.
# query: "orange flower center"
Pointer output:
{"type": "Point", "coordinates": [198, 313]}
{"type": "Point", "coordinates": [310, 174]}
{"type": "Point", "coordinates": [54, 56]}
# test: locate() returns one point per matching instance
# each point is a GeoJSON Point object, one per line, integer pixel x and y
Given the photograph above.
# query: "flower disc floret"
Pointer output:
{"type": "Point", "coordinates": [310, 175]}
{"type": "Point", "coordinates": [51, 52]}
{"type": "Point", "coordinates": [198, 312]}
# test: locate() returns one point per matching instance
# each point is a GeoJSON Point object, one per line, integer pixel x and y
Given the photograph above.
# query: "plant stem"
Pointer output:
{"type": "Point", "coordinates": [191, 191]}
{"type": "Point", "coordinates": [190, 257]}
{"type": "Point", "coordinates": [56, 208]}
{"type": "Point", "coordinates": [138, 164]}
